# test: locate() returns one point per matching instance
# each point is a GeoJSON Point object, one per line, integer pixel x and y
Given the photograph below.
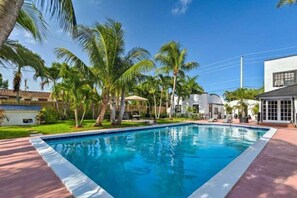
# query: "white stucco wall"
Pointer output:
{"type": "Point", "coordinates": [16, 117]}
{"type": "Point", "coordinates": [203, 100]}
{"type": "Point", "coordinates": [277, 65]}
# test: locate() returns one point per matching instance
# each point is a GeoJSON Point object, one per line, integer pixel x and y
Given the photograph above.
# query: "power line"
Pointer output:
{"type": "Point", "coordinates": [211, 68]}
{"type": "Point", "coordinates": [220, 61]}
{"type": "Point", "coordinates": [268, 51]}
{"type": "Point", "coordinates": [218, 69]}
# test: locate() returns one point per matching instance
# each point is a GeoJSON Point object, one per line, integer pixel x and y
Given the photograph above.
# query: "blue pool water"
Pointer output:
{"type": "Point", "coordinates": [160, 162]}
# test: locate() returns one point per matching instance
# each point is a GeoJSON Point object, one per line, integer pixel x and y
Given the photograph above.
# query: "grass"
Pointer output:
{"type": "Point", "coordinates": [7, 132]}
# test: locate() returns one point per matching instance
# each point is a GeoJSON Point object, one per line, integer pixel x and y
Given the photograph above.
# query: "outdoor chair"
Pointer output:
{"type": "Point", "coordinates": [135, 115]}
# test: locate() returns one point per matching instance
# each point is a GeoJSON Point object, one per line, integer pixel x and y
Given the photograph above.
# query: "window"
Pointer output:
{"type": "Point", "coordinates": [177, 108]}
{"type": "Point", "coordinates": [284, 78]}
{"type": "Point", "coordinates": [264, 109]}
{"type": "Point", "coordinates": [42, 99]}
{"type": "Point", "coordinates": [27, 120]}
{"type": "Point", "coordinates": [216, 111]}
{"type": "Point", "coordinates": [286, 110]}
{"type": "Point", "coordinates": [272, 110]}
{"type": "Point", "coordinates": [195, 108]}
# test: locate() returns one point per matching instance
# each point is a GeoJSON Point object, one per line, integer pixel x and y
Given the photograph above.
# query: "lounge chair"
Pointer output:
{"type": "Point", "coordinates": [212, 120]}
{"type": "Point", "coordinates": [227, 120]}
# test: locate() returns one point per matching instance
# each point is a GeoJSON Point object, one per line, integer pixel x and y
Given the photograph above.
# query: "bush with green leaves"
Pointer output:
{"type": "Point", "coordinates": [2, 116]}
{"type": "Point", "coordinates": [48, 115]}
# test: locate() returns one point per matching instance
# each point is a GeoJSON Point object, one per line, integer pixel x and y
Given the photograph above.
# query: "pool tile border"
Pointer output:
{"type": "Point", "coordinates": [223, 182]}
{"type": "Point", "coordinates": [81, 186]}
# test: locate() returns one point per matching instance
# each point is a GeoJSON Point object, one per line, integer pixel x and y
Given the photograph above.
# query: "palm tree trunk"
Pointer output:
{"type": "Point", "coordinates": [155, 106]}
{"type": "Point", "coordinates": [76, 117]}
{"type": "Point", "coordinates": [9, 11]}
{"type": "Point", "coordinates": [160, 105]}
{"type": "Point", "coordinates": [18, 97]}
{"type": "Point", "coordinates": [103, 107]}
{"type": "Point", "coordinates": [122, 109]}
{"type": "Point", "coordinates": [178, 98]}
{"type": "Point", "coordinates": [82, 117]}
{"type": "Point", "coordinates": [172, 97]}
{"type": "Point", "coordinates": [113, 109]}
{"type": "Point", "coordinates": [167, 99]}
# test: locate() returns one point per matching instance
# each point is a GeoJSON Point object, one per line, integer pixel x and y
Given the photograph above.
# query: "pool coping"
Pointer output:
{"type": "Point", "coordinates": [82, 186]}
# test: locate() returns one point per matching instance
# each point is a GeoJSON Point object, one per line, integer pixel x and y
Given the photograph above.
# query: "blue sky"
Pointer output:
{"type": "Point", "coordinates": [211, 31]}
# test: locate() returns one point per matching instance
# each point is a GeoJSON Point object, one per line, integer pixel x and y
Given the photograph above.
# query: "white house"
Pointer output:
{"type": "Point", "coordinates": [279, 102]}
{"type": "Point", "coordinates": [210, 105]}
{"type": "Point", "coordinates": [20, 114]}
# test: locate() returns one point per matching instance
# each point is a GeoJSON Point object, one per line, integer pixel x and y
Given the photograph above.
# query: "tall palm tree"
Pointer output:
{"type": "Point", "coordinates": [165, 83]}
{"type": "Point", "coordinates": [11, 13]}
{"type": "Point", "coordinates": [152, 86]}
{"type": "Point", "coordinates": [172, 58]}
{"type": "Point", "coordinates": [125, 84]}
{"type": "Point", "coordinates": [105, 46]}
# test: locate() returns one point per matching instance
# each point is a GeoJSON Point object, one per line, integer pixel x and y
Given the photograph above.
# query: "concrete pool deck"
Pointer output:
{"type": "Point", "coordinates": [23, 173]}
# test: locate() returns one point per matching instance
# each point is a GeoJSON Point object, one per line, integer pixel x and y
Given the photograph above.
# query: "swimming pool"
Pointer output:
{"type": "Point", "coordinates": [170, 161]}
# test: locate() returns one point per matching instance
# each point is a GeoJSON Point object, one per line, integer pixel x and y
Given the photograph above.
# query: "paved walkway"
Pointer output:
{"type": "Point", "coordinates": [274, 171]}
{"type": "Point", "coordinates": [24, 174]}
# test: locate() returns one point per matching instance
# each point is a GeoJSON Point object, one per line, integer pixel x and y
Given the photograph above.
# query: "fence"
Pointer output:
{"type": "Point", "coordinates": [93, 110]}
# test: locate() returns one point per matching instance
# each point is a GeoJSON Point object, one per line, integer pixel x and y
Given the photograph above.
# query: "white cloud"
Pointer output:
{"type": "Point", "coordinates": [29, 38]}
{"type": "Point", "coordinates": [181, 7]}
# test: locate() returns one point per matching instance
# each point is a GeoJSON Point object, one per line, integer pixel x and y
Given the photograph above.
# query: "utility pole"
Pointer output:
{"type": "Point", "coordinates": [241, 72]}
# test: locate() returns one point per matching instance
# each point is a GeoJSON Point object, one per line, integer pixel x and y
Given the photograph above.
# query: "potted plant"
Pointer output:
{"type": "Point", "coordinates": [228, 109]}
{"type": "Point", "coordinates": [242, 111]}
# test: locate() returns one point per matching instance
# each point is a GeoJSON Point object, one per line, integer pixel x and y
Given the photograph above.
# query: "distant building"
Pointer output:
{"type": "Point", "coordinates": [279, 102]}
{"type": "Point", "coordinates": [209, 105]}
{"type": "Point", "coordinates": [20, 114]}
{"type": "Point", "coordinates": [6, 94]}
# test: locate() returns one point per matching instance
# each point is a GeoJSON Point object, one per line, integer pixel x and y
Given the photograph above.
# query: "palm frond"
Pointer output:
{"type": "Point", "coordinates": [62, 10]}
{"type": "Point", "coordinates": [286, 2]}
{"type": "Point", "coordinates": [31, 19]}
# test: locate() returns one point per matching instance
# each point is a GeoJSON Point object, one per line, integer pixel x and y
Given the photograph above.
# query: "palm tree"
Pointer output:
{"type": "Point", "coordinates": [20, 57]}
{"type": "Point", "coordinates": [152, 86]}
{"type": "Point", "coordinates": [286, 2]}
{"type": "Point", "coordinates": [172, 58]}
{"type": "Point", "coordinates": [19, 12]}
{"type": "Point", "coordinates": [165, 83]}
{"type": "Point", "coordinates": [104, 44]}
{"type": "Point", "coordinates": [52, 75]}
{"type": "Point", "coordinates": [79, 92]}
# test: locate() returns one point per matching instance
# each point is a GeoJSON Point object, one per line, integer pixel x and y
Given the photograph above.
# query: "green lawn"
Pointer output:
{"type": "Point", "coordinates": [7, 132]}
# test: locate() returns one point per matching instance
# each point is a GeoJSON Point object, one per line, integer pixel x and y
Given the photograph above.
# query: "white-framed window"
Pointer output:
{"type": "Point", "coordinates": [284, 78]}
{"type": "Point", "coordinates": [277, 110]}
{"type": "Point", "coordinates": [286, 110]}
{"type": "Point", "coordinates": [272, 109]}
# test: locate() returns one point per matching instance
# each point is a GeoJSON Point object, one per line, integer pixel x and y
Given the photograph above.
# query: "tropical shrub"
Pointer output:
{"type": "Point", "coordinates": [48, 115]}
